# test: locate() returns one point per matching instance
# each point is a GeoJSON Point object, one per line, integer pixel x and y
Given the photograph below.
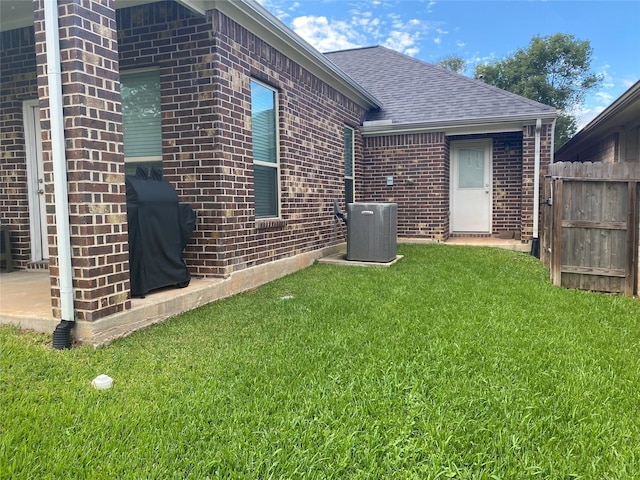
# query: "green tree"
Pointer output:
{"type": "Point", "coordinates": [554, 70]}
{"type": "Point", "coordinates": [453, 63]}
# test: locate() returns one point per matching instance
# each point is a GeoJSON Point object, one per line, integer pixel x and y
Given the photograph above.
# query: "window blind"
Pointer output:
{"type": "Point", "coordinates": [141, 120]}
{"type": "Point", "coordinates": [265, 185]}
{"type": "Point", "coordinates": [348, 165]}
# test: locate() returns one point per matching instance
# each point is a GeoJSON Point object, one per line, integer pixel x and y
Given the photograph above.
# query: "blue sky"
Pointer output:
{"type": "Point", "coordinates": [478, 31]}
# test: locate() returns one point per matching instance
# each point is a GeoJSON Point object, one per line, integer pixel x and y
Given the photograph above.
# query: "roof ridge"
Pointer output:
{"type": "Point", "coordinates": [352, 49]}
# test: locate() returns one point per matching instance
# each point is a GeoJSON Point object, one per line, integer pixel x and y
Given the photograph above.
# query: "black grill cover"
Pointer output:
{"type": "Point", "coordinates": [159, 229]}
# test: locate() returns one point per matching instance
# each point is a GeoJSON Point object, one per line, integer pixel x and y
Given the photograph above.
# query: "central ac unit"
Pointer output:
{"type": "Point", "coordinates": [372, 231]}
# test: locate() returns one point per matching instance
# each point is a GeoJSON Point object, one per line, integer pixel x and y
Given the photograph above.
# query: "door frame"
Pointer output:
{"type": "Point", "coordinates": [455, 146]}
{"type": "Point", "coordinates": [34, 161]}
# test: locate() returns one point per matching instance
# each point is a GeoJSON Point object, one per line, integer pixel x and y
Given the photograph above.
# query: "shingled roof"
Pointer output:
{"type": "Point", "coordinates": [414, 92]}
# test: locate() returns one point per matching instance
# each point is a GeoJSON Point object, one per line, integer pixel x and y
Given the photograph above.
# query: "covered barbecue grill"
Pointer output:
{"type": "Point", "coordinates": [159, 229]}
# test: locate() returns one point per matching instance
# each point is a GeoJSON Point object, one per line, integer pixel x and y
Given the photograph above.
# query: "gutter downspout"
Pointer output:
{"type": "Point", "coordinates": [62, 334]}
{"type": "Point", "coordinates": [553, 144]}
{"type": "Point", "coordinates": [535, 243]}
{"type": "Point", "coordinates": [549, 201]}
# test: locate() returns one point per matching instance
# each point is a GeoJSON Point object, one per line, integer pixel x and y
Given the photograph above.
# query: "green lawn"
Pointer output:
{"type": "Point", "coordinates": [457, 362]}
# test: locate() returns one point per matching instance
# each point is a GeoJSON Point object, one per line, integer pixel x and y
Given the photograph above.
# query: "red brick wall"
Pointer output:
{"type": "Point", "coordinates": [507, 182]}
{"type": "Point", "coordinates": [179, 44]}
{"type": "Point", "coordinates": [18, 82]}
{"type": "Point", "coordinates": [205, 87]}
{"type": "Point", "coordinates": [419, 164]}
{"type": "Point", "coordinates": [604, 150]}
{"type": "Point", "coordinates": [312, 116]}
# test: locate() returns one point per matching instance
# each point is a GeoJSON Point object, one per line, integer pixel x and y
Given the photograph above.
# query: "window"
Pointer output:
{"type": "Point", "coordinates": [141, 121]}
{"type": "Point", "coordinates": [264, 134]}
{"type": "Point", "coordinates": [471, 168]}
{"type": "Point", "coordinates": [348, 165]}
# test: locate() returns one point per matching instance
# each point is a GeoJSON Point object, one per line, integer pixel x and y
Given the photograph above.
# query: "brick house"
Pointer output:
{"type": "Point", "coordinates": [462, 153]}
{"type": "Point", "coordinates": [255, 129]}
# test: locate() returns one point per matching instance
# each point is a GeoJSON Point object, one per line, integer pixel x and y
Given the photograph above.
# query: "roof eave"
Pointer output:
{"type": "Point", "coordinates": [626, 100]}
{"type": "Point", "coordinates": [509, 123]}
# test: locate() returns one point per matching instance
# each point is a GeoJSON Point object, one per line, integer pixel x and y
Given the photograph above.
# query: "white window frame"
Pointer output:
{"type": "Point", "coordinates": [276, 164]}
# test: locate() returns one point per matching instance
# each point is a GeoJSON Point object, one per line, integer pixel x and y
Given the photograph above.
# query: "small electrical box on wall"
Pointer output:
{"type": "Point", "coordinates": [389, 180]}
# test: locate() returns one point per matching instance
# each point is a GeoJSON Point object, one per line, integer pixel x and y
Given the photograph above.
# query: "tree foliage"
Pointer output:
{"type": "Point", "coordinates": [554, 70]}
{"type": "Point", "coordinates": [453, 63]}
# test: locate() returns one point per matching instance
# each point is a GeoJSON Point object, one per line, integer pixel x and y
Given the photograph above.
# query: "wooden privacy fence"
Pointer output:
{"type": "Point", "coordinates": [590, 226]}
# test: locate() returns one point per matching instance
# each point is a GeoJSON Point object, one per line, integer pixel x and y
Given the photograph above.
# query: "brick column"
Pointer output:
{"type": "Point", "coordinates": [94, 153]}
{"type": "Point", "coordinates": [528, 167]}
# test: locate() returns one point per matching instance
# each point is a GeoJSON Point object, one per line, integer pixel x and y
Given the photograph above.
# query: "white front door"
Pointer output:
{"type": "Point", "coordinates": [471, 187]}
{"type": "Point", "coordinates": [35, 179]}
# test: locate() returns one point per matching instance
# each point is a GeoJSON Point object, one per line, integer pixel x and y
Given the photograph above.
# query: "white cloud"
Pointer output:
{"type": "Point", "coordinates": [584, 116]}
{"type": "Point", "coordinates": [369, 26]}
{"type": "Point", "coordinates": [276, 8]}
{"type": "Point", "coordinates": [412, 52]}
{"type": "Point", "coordinates": [596, 101]}
{"type": "Point", "coordinates": [362, 28]}
{"type": "Point", "coordinates": [603, 98]}
{"type": "Point", "coordinates": [326, 35]}
{"type": "Point", "coordinates": [402, 41]}
{"type": "Point", "coordinates": [363, 23]}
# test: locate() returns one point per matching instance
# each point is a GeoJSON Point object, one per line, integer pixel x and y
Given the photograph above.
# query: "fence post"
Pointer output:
{"type": "Point", "coordinates": [556, 237]}
{"type": "Point", "coordinates": [632, 243]}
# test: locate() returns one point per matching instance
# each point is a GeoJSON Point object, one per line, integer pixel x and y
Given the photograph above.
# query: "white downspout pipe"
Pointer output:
{"type": "Point", "coordinates": [536, 188]}
{"type": "Point", "coordinates": [536, 174]}
{"type": "Point", "coordinates": [553, 143]}
{"type": "Point", "coordinates": [58, 154]}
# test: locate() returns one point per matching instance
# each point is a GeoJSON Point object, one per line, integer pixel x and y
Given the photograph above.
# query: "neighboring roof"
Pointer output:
{"type": "Point", "coordinates": [416, 92]}
{"type": "Point", "coordinates": [624, 112]}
